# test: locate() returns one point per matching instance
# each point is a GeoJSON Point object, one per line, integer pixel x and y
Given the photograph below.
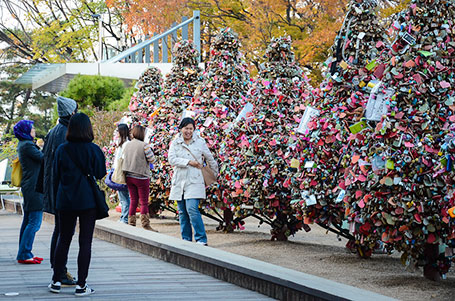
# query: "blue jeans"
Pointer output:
{"type": "Point", "coordinates": [124, 198]}
{"type": "Point", "coordinates": [189, 215]}
{"type": "Point", "coordinates": [31, 223]}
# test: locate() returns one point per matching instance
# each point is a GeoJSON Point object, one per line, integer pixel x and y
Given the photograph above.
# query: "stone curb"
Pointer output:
{"type": "Point", "coordinates": [265, 278]}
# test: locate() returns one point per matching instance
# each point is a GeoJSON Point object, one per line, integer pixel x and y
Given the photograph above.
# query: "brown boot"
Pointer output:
{"type": "Point", "coordinates": [132, 220]}
{"type": "Point", "coordinates": [145, 221]}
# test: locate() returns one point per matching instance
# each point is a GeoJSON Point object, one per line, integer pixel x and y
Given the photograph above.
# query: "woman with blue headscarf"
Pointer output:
{"type": "Point", "coordinates": [30, 158]}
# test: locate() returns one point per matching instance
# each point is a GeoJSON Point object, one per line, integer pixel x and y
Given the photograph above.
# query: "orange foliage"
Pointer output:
{"type": "Point", "coordinates": [312, 24]}
{"type": "Point", "coordinates": [147, 17]}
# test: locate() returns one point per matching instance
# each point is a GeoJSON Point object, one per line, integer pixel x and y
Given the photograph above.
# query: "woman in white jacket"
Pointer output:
{"type": "Point", "coordinates": [185, 155]}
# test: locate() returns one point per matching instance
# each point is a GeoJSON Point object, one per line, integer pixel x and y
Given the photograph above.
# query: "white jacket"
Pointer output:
{"type": "Point", "coordinates": [188, 180]}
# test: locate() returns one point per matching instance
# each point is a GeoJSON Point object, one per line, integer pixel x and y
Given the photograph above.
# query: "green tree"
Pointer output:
{"type": "Point", "coordinates": [122, 104]}
{"type": "Point", "coordinates": [21, 102]}
{"type": "Point", "coordinates": [94, 91]}
{"type": "Point", "coordinates": [55, 31]}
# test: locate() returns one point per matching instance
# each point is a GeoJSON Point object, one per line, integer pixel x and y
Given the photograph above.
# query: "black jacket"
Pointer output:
{"type": "Point", "coordinates": [30, 158]}
{"type": "Point", "coordinates": [71, 186]}
{"type": "Point", "coordinates": [53, 140]}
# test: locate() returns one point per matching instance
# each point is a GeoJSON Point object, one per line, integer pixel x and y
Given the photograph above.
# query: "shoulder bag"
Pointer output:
{"type": "Point", "coordinates": [16, 174]}
{"type": "Point", "coordinates": [207, 172]}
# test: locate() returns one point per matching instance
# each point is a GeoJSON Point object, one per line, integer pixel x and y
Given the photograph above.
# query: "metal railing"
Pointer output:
{"type": "Point", "coordinates": [144, 53]}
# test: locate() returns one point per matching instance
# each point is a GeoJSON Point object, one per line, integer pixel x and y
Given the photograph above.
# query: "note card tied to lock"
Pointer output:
{"type": "Point", "coordinates": [246, 109]}
{"type": "Point", "coordinates": [307, 115]}
{"type": "Point", "coordinates": [377, 104]}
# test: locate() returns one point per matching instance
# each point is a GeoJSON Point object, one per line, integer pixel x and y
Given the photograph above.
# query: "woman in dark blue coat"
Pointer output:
{"type": "Point", "coordinates": [74, 160]}
{"type": "Point", "coordinates": [30, 158]}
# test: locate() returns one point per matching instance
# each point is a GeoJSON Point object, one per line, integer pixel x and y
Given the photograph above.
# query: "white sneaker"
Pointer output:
{"type": "Point", "coordinates": [83, 291]}
{"type": "Point", "coordinates": [55, 287]}
{"type": "Point", "coordinates": [202, 243]}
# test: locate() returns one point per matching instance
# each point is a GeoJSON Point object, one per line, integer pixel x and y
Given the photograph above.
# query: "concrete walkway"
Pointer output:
{"type": "Point", "coordinates": [115, 273]}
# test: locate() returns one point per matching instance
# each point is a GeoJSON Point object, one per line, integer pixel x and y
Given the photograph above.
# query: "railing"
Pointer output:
{"type": "Point", "coordinates": [142, 52]}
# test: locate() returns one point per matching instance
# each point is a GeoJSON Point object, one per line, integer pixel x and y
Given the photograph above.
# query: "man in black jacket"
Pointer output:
{"type": "Point", "coordinates": [66, 107]}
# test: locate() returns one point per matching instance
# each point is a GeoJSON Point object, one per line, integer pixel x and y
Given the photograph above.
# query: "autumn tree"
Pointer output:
{"type": "Point", "coordinates": [147, 17]}
{"type": "Point", "coordinates": [311, 23]}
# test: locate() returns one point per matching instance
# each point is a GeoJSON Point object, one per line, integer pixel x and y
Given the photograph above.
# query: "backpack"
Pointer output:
{"type": "Point", "coordinates": [16, 174]}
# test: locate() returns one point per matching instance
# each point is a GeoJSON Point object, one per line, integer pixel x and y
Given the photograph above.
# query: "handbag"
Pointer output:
{"type": "Point", "coordinates": [207, 172]}
{"type": "Point", "coordinates": [114, 185]}
{"type": "Point", "coordinates": [118, 176]}
{"type": "Point", "coordinates": [16, 174]}
{"type": "Point", "coordinates": [102, 209]}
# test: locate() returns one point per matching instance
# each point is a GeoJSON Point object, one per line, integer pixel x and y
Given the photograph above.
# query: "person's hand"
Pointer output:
{"type": "Point", "coordinates": [195, 164]}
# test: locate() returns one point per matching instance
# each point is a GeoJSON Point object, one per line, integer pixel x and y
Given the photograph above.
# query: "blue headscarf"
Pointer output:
{"type": "Point", "coordinates": [22, 130]}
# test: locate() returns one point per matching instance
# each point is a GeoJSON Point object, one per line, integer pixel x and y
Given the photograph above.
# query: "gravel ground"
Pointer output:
{"type": "Point", "coordinates": [322, 254]}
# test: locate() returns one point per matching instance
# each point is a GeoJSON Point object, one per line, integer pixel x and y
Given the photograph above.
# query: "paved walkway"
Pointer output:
{"type": "Point", "coordinates": [115, 273]}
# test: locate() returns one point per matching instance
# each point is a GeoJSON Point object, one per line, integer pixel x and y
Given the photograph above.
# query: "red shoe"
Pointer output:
{"type": "Point", "coordinates": [29, 261]}
{"type": "Point", "coordinates": [38, 258]}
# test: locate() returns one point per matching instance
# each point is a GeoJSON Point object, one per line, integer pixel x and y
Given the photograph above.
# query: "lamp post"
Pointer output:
{"type": "Point", "coordinates": [100, 45]}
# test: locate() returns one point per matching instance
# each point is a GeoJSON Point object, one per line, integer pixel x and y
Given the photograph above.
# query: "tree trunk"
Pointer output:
{"type": "Point", "coordinates": [228, 218]}
{"type": "Point", "coordinates": [25, 103]}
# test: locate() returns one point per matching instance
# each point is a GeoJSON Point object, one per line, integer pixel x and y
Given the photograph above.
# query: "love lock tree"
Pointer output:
{"type": "Point", "coordinates": [325, 130]}
{"type": "Point", "coordinates": [396, 169]}
{"type": "Point", "coordinates": [409, 184]}
{"type": "Point", "coordinates": [141, 110]}
{"type": "Point", "coordinates": [178, 90]}
{"type": "Point", "coordinates": [220, 98]}
{"type": "Point", "coordinates": [259, 142]}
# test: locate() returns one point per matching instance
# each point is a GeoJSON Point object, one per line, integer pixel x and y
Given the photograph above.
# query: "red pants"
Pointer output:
{"type": "Point", "coordinates": [139, 190]}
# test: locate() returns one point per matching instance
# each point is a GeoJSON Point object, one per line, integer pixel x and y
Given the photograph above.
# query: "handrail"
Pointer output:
{"type": "Point", "coordinates": [172, 31]}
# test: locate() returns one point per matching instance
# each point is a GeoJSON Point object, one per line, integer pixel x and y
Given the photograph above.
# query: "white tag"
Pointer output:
{"type": "Point", "coordinates": [352, 227]}
{"type": "Point", "coordinates": [340, 196]}
{"type": "Point", "coordinates": [311, 200]}
{"type": "Point", "coordinates": [188, 113]}
{"type": "Point", "coordinates": [250, 207]}
{"type": "Point", "coordinates": [148, 135]}
{"type": "Point", "coordinates": [307, 115]}
{"type": "Point", "coordinates": [208, 121]}
{"type": "Point", "coordinates": [309, 164]}
{"type": "Point", "coordinates": [246, 109]}
{"type": "Point", "coordinates": [377, 103]}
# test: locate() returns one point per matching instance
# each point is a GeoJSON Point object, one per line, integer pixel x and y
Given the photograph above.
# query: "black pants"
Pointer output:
{"type": "Point", "coordinates": [67, 222]}
{"type": "Point", "coordinates": [54, 239]}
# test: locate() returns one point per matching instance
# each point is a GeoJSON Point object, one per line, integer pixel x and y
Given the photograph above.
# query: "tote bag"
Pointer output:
{"type": "Point", "coordinates": [16, 174]}
{"type": "Point", "coordinates": [118, 176]}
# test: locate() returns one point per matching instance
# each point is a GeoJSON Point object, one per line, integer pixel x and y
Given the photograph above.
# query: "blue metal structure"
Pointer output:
{"type": "Point", "coordinates": [142, 52]}
{"type": "Point", "coordinates": [55, 77]}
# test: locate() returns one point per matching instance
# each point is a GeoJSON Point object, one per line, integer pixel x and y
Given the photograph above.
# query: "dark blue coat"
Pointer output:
{"type": "Point", "coordinates": [30, 158]}
{"type": "Point", "coordinates": [73, 191]}
{"type": "Point", "coordinates": [53, 140]}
